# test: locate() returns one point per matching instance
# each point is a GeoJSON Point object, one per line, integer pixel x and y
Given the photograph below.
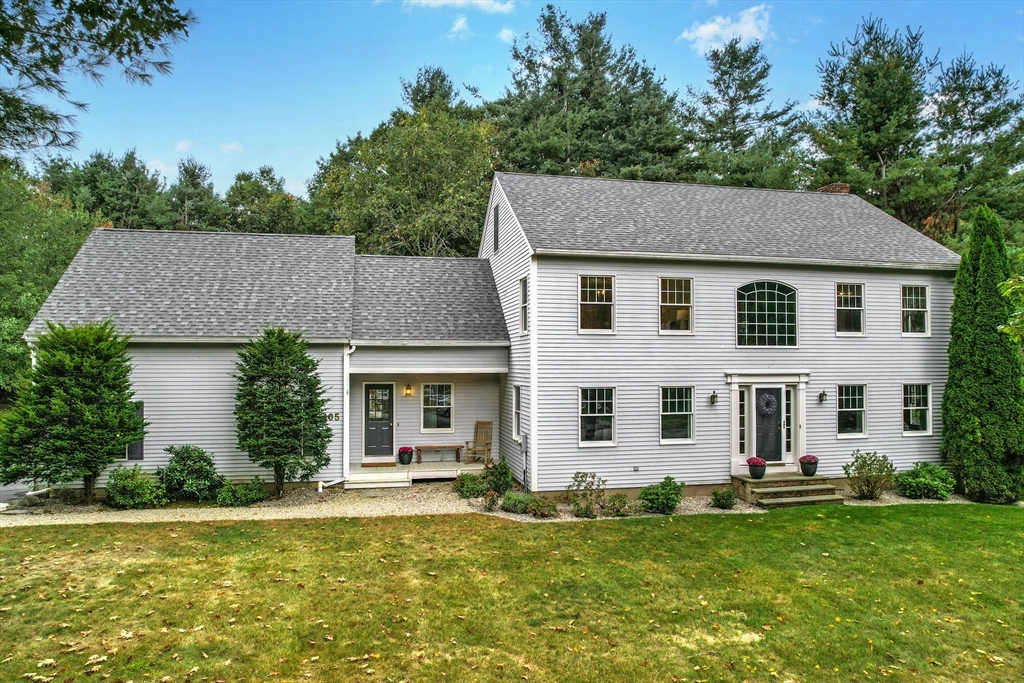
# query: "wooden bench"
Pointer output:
{"type": "Point", "coordinates": [457, 447]}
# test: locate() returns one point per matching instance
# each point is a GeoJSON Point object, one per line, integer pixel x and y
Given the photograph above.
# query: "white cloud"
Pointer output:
{"type": "Point", "coordinates": [506, 35]}
{"type": "Point", "coordinates": [460, 29]}
{"type": "Point", "coordinates": [183, 146]}
{"type": "Point", "coordinates": [750, 24]}
{"type": "Point", "coordinates": [810, 105]}
{"type": "Point", "coordinates": [492, 6]}
{"type": "Point", "coordinates": [160, 167]}
{"type": "Point", "coordinates": [231, 148]}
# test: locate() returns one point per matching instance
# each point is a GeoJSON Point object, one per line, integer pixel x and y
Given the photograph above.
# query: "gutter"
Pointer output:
{"type": "Point", "coordinates": [727, 258]}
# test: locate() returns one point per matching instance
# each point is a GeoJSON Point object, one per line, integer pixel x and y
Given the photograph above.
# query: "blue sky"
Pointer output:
{"type": "Point", "coordinates": [278, 82]}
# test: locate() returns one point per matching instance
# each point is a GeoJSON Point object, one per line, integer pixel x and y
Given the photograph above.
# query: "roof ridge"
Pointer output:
{"type": "Point", "coordinates": [671, 183]}
{"type": "Point", "coordinates": [421, 258]}
{"type": "Point", "coordinates": [211, 233]}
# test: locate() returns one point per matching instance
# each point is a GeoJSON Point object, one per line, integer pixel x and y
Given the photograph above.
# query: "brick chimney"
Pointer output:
{"type": "Point", "coordinates": [835, 188]}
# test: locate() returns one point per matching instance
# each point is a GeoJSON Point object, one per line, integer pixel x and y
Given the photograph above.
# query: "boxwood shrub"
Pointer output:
{"type": "Point", "coordinates": [925, 480]}
{"type": "Point", "coordinates": [242, 495]}
{"type": "Point", "coordinates": [661, 499]}
{"type": "Point", "coordinates": [129, 488]}
{"type": "Point", "coordinates": [190, 474]}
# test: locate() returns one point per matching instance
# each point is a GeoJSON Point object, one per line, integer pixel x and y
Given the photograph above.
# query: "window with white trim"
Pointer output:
{"type": "Point", "coordinates": [136, 450]}
{"type": "Point", "coordinates": [676, 304]}
{"type": "Point", "coordinates": [437, 408]}
{"type": "Point", "coordinates": [766, 314]}
{"type": "Point", "coordinates": [524, 305]}
{"type": "Point", "coordinates": [597, 415]}
{"type": "Point", "coordinates": [676, 414]}
{"type": "Point", "coordinates": [851, 413]}
{"type": "Point", "coordinates": [743, 421]}
{"type": "Point", "coordinates": [917, 416]}
{"type": "Point", "coordinates": [497, 219]}
{"type": "Point", "coordinates": [597, 303]}
{"type": "Point", "coordinates": [915, 309]}
{"type": "Point", "coordinates": [517, 412]}
{"type": "Point", "coordinates": [849, 309]}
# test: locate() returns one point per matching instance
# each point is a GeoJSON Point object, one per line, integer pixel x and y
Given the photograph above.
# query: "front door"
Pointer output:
{"type": "Point", "coordinates": [379, 404]}
{"type": "Point", "coordinates": [768, 423]}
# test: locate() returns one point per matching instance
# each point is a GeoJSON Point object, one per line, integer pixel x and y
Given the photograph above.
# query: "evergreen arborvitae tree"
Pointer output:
{"type": "Point", "coordinates": [75, 416]}
{"type": "Point", "coordinates": [280, 405]}
{"type": "Point", "coordinates": [983, 405]}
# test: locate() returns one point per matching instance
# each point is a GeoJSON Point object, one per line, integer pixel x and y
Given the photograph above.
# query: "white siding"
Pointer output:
{"type": "Point", "coordinates": [510, 264]}
{"type": "Point", "coordinates": [427, 359]}
{"type": "Point", "coordinates": [637, 360]}
{"type": "Point", "coordinates": [189, 395]}
{"type": "Point", "coordinates": [475, 398]}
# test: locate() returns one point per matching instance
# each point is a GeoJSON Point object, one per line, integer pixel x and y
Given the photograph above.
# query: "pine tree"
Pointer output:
{"type": "Point", "coordinates": [280, 405]}
{"type": "Point", "coordinates": [75, 416]}
{"type": "Point", "coordinates": [983, 405]}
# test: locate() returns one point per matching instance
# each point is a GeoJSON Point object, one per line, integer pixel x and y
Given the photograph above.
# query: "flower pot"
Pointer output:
{"type": "Point", "coordinates": [405, 457]}
{"type": "Point", "coordinates": [808, 468]}
{"type": "Point", "coordinates": [757, 472]}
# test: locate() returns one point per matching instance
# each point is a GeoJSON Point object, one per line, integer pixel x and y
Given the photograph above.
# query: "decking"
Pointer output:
{"type": "Point", "coordinates": [403, 475]}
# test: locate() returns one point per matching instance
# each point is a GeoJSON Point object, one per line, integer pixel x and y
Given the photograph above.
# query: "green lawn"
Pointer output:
{"type": "Point", "coordinates": [921, 592]}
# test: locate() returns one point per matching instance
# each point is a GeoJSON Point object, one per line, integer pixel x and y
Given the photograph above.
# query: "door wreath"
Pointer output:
{"type": "Point", "coordinates": [767, 404]}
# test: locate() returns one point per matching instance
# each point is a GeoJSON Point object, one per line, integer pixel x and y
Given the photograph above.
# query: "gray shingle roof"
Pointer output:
{"type": "Point", "coordinates": [562, 213]}
{"type": "Point", "coordinates": [422, 298]}
{"type": "Point", "coordinates": [203, 284]}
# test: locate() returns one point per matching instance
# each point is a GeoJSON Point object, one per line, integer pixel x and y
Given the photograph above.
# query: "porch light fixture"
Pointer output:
{"type": "Point", "coordinates": [714, 397]}
{"type": "Point", "coordinates": [408, 390]}
{"type": "Point", "coordinates": [822, 397]}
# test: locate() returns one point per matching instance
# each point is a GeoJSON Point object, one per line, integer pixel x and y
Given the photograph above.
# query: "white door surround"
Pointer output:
{"type": "Point", "coordinates": [749, 381]}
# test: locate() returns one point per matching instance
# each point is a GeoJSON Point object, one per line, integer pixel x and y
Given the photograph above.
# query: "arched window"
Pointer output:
{"type": "Point", "coordinates": [766, 314]}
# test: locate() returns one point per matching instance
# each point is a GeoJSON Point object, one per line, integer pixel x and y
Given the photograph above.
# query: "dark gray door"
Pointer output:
{"type": "Point", "coordinates": [379, 423]}
{"type": "Point", "coordinates": [769, 411]}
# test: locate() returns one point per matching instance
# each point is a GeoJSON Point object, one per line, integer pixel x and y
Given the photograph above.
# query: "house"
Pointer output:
{"type": "Point", "coordinates": [633, 329]}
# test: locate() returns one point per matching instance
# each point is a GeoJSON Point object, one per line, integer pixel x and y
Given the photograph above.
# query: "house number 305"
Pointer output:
{"type": "Point", "coordinates": [333, 417]}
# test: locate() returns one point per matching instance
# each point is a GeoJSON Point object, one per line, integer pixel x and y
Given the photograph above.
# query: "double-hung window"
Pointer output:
{"type": "Point", "coordinates": [597, 303]}
{"type": "Point", "coordinates": [524, 305]}
{"type": "Point", "coordinates": [517, 412]}
{"type": "Point", "coordinates": [135, 450]}
{"type": "Point", "coordinates": [917, 415]}
{"type": "Point", "coordinates": [676, 414]}
{"type": "Point", "coordinates": [597, 416]}
{"type": "Point", "coordinates": [437, 408]}
{"type": "Point", "coordinates": [849, 309]}
{"type": "Point", "coordinates": [915, 310]}
{"type": "Point", "coordinates": [676, 305]}
{"type": "Point", "coordinates": [851, 413]}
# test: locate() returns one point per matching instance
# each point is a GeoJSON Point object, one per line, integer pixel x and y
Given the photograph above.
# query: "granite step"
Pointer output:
{"type": "Point", "coordinates": [792, 491]}
{"type": "Point", "coordinates": [776, 503]}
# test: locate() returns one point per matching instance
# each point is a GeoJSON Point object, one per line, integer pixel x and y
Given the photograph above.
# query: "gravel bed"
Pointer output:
{"type": "Point", "coordinates": [437, 498]}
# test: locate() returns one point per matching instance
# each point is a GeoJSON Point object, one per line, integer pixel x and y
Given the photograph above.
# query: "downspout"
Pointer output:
{"type": "Point", "coordinates": [344, 423]}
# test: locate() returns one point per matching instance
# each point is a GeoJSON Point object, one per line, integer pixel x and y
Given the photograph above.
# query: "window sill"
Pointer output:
{"type": "Point", "coordinates": [850, 334]}
{"type": "Point", "coordinates": [913, 434]}
{"type": "Point", "coordinates": [676, 442]}
{"type": "Point", "coordinates": [596, 444]}
{"type": "Point", "coordinates": [676, 333]}
{"type": "Point", "coordinates": [915, 334]}
{"type": "Point", "coordinates": [437, 431]}
{"type": "Point", "coordinates": [851, 436]}
{"type": "Point", "coordinates": [582, 331]}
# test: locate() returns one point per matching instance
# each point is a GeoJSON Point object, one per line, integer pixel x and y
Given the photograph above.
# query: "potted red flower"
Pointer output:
{"type": "Point", "coordinates": [757, 467]}
{"type": "Point", "coordinates": [808, 465]}
{"type": "Point", "coordinates": [405, 455]}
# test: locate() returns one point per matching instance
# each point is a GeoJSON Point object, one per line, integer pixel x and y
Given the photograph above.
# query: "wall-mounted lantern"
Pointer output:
{"type": "Point", "coordinates": [714, 397]}
{"type": "Point", "coordinates": [408, 390]}
{"type": "Point", "coordinates": [822, 397]}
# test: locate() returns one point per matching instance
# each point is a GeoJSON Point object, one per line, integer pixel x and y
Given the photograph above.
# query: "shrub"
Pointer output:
{"type": "Point", "coordinates": [242, 495]}
{"type": "Point", "coordinates": [469, 485]}
{"type": "Point", "coordinates": [515, 502]}
{"type": "Point", "coordinates": [723, 498]}
{"type": "Point", "coordinates": [541, 507]}
{"type": "Point", "coordinates": [499, 477]}
{"type": "Point", "coordinates": [491, 501]}
{"type": "Point", "coordinates": [661, 499]}
{"type": "Point", "coordinates": [619, 505]}
{"type": "Point", "coordinates": [585, 494]}
{"type": "Point", "coordinates": [129, 488]}
{"type": "Point", "coordinates": [926, 480]}
{"type": "Point", "coordinates": [869, 474]}
{"type": "Point", "coordinates": [189, 475]}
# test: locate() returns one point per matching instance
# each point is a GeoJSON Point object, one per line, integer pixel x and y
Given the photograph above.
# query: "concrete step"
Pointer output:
{"type": "Point", "coordinates": [792, 491]}
{"type": "Point", "coordinates": [786, 479]}
{"type": "Point", "coordinates": [775, 503]}
{"type": "Point", "coordinates": [386, 478]}
{"type": "Point", "coordinates": [377, 484]}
